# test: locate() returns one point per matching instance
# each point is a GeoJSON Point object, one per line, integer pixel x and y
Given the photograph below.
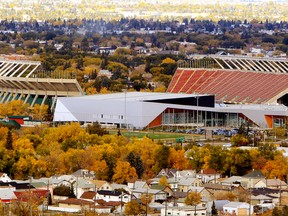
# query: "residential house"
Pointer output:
{"type": "Point", "coordinates": [85, 174]}
{"type": "Point", "coordinates": [208, 175]}
{"type": "Point", "coordinates": [112, 196]}
{"type": "Point", "coordinates": [184, 211]}
{"type": "Point", "coordinates": [102, 209]}
{"type": "Point", "coordinates": [157, 195]}
{"type": "Point", "coordinates": [24, 196]}
{"type": "Point", "coordinates": [138, 184]}
{"type": "Point", "coordinates": [168, 173]}
{"type": "Point", "coordinates": [233, 180]}
{"type": "Point", "coordinates": [66, 180]}
{"type": "Point", "coordinates": [271, 183]}
{"type": "Point", "coordinates": [7, 195]}
{"type": "Point", "coordinates": [17, 186]}
{"type": "Point", "coordinates": [218, 205]}
{"type": "Point", "coordinates": [215, 189]}
{"type": "Point", "coordinates": [174, 183]}
{"type": "Point", "coordinates": [251, 179]}
{"type": "Point", "coordinates": [186, 173]}
{"type": "Point", "coordinates": [106, 50]}
{"type": "Point", "coordinates": [88, 195]}
{"type": "Point", "coordinates": [274, 194]}
{"type": "Point", "coordinates": [264, 199]}
{"type": "Point", "coordinates": [122, 187]}
{"type": "Point", "coordinates": [238, 208]}
{"type": "Point", "coordinates": [42, 185]}
{"type": "Point", "coordinates": [103, 206]}
{"type": "Point", "coordinates": [102, 185]}
{"type": "Point", "coordinates": [140, 50]}
{"type": "Point", "coordinates": [78, 204]}
{"type": "Point", "coordinates": [105, 73]}
{"type": "Point", "coordinates": [4, 177]}
{"type": "Point", "coordinates": [82, 185]}
{"type": "Point", "coordinates": [186, 184]}
{"type": "Point", "coordinates": [164, 188]}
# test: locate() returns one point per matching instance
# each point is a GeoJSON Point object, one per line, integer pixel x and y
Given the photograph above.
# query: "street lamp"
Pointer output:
{"type": "Point", "coordinates": [197, 110]}
{"type": "Point", "coordinates": [197, 98]}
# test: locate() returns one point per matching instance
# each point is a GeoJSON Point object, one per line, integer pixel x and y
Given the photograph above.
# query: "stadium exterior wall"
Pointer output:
{"type": "Point", "coordinates": [134, 110]}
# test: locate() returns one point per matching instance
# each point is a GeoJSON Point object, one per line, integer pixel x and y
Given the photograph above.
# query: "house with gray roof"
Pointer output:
{"type": "Point", "coordinates": [271, 183]}
{"type": "Point", "coordinates": [84, 173]}
{"type": "Point", "coordinates": [138, 184]}
{"type": "Point", "coordinates": [124, 187]}
{"type": "Point", "coordinates": [4, 177]}
{"type": "Point", "coordinates": [82, 185]}
{"type": "Point", "coordinates": [157, 195]}
{"type": "Point", "coordinates": [251, 179]}
{"type": "Point", "coordinates": [112, 196]}
{"type": "Point", "coordinates": [7, 195]}
{"type": "Point", "coordinates": [238, 208]}
{"type": "Point", "coordinates": [186, 184]}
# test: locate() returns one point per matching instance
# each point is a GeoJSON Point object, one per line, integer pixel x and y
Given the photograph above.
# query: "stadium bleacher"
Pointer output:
{"type": "Point", "coordinates": [230, 86]}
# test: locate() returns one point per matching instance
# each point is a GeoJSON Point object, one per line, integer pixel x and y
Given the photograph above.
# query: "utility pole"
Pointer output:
{"type": "Point", "coordinates": [165, 204]}
{"type": "Point", "coordinates": [280, 198]}
{"type": "Point", "coordinates": [146, 202]}
{"type": "Point", "coordinates": [121, 203]}
{"type": "Point", "coordinates": [250, 203]}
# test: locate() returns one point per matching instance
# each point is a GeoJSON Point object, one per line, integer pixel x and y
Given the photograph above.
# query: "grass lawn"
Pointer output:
{"type": "Point", "coordinates": [155, 135]}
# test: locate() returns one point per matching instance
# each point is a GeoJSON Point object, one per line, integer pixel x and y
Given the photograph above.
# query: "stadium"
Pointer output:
{"type": "Point", "coordinates": [25, 80]}
{"type": "Point", "coordinates": [211, 91]}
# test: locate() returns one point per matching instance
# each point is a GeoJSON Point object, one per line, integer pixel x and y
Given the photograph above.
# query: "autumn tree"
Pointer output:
{"type": "Point", "coordinates": [267, 150]}
{"type": "Point", "coordinates": [222, 195]}
{"type": "Point", "coordinates": [277, 168]}
{"type": "Point", "coordinates": [196, 156]}
{"type": "Point", "coordinates": [237, 162]}
{"type": "Point", "coordinates": [177, 159]}
{"type": "Point", "coordinates": [26, 204]}
{"type": "Point", "coordinates": [146, 199]}
{"type": "Point", "coordinates": [193, 198]}
{"type": "Point", "coordinates": [163, 181]}
{"type": "Point", "coordinates": [132, 208]}
{"type": "Point", "coordinates": [123, 173]}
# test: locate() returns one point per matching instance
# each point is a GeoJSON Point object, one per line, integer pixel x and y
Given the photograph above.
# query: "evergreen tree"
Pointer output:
{"type": "Point", "coordinates": [96, 128]}
{"type": "Point", "coordinates": [71, 193]}
{"type": "Point", "coordinates": [136, 162]}
{"type": "Point", "coordinates": [80, 64]}
{"type": "Point", "coordinates": [213, 209]}
{"type": "Point", "coordinates": [111, 162]}
{"type": "Point", "coordinates": [9, 140]}
{"type": "Point", "coordinates": [162, 154]}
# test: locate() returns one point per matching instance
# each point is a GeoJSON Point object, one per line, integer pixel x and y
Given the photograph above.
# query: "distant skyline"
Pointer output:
{"type": "Point", "coordinates": [138, 1]}
{"type": "Point", "coordinates": [25, 10]}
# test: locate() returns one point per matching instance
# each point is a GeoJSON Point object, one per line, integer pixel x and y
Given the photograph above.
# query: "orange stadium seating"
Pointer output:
{"type": "Point", "coordinates": [232, 86]}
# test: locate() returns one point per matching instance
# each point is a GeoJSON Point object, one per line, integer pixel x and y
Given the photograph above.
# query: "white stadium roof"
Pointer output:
{"type": "Point", "coordinates": [139, 109]}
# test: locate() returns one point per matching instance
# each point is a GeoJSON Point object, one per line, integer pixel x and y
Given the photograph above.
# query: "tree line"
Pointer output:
{"type": "Point", "coordinates": [44, 151]}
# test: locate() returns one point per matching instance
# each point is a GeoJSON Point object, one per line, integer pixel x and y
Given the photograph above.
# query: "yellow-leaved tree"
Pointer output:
{"type": "Point", "coordinates": [177, 159]}
{"type": "Point", "coordinates": [193, 198]}
{"type": "Point", "coordinates": [123, 172]}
